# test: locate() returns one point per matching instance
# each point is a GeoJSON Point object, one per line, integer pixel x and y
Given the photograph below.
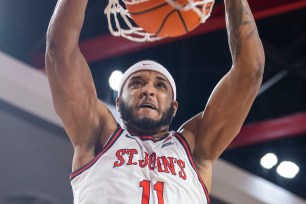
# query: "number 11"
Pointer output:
{"type": "Point", "coordinates": [158, 187]}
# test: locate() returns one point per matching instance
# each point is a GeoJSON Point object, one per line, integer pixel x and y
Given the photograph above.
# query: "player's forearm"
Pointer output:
{"type": "Point", "coordinates": [244, 41]}
{"type": "Point", "coordinates": [65, 25]}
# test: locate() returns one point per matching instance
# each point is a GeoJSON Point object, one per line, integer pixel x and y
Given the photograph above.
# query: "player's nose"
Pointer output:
{"type": "Point", "coordinates": [148, 90]}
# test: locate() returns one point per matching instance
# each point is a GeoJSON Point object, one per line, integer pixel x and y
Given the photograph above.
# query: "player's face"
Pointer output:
{"type": "Point", "coordinates": [147, 100]}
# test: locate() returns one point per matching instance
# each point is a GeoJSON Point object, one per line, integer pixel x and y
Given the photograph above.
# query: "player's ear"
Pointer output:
{"type": "Point", "coordinates": [118, 101]}
{"type": "Point", "coordinates": [175, 107]}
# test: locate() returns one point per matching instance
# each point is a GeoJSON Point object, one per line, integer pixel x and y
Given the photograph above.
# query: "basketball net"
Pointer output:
{"type": "Point", "coordinates": [121, 24]}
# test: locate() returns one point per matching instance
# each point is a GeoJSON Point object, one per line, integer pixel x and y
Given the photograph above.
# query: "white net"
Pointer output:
{"type": "Point", "coordinates": [121, 24]}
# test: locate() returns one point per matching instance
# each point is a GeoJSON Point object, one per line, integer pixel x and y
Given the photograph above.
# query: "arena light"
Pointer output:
{"type": "Point", "coordinates": [114, 80]}
{"type": "Point", "coordinates": [287, 169]}
{"type": "Point", "coordinates": [268, 161]}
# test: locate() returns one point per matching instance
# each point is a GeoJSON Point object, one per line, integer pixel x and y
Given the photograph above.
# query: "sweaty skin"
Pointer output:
{"type": "Point", "coordinates": [89, 123]}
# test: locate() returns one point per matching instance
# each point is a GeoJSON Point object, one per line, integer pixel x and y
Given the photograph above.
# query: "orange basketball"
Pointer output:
{"type": "Point", "coordinates": [160, 18]}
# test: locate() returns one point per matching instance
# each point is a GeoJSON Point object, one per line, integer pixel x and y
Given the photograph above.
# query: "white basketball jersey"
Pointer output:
{"type": "Point", "coordinates": [138, 170]}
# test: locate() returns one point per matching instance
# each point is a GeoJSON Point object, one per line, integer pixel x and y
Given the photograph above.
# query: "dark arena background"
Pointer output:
{"type": "Point", "coordinates": [36, 154]}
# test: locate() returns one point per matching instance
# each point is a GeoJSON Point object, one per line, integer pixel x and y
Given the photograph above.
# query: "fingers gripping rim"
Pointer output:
{"type": "Point", "coordinates": [121, 24]}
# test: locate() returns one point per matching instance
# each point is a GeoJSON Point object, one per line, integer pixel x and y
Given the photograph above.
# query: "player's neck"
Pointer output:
{"type": "Point", "coordinates": [156, 134]}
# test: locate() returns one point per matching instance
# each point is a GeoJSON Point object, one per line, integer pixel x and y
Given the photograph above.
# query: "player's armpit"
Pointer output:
{"type": "Point", "coordinates": [204, 168]}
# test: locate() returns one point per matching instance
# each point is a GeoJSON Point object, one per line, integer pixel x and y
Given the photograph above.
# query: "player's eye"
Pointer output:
{"type": "Point", "coordinates": [135, 83]}
{"type": "Point", "coordinates": [162, 85]}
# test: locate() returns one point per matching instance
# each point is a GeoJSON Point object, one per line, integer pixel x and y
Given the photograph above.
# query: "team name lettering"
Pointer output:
{"type": "Point", "coordinates": [151, 161]}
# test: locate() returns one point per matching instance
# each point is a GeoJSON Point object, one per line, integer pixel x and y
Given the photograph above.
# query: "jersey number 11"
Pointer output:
{"type": "Point", "coordinates": [158, 187]}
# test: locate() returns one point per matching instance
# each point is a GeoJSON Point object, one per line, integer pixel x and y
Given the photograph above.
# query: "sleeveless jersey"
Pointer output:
{"type": "Point", "coordinates": [138, 170]}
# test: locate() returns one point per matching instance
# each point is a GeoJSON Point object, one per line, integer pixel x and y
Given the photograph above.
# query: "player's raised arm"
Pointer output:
{"type": "Point", "coordinates": [232, 98]}
{"type": "Point", "coordinates": [73, 92]}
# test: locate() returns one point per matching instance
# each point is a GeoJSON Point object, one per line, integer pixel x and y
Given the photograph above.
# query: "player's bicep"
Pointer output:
{"type": "Point", "coordinates": [73, 93]}
{"type": "Point", "coordinates": [69, 79]}
{"type": "Point", "coordinates": [226, 111]}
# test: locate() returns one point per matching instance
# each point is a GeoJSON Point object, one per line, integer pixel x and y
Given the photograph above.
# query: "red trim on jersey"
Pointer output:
{"type": "Point", "coordinates": [184, 143]}
{"type": "Point", "coordinates": [108, 145]}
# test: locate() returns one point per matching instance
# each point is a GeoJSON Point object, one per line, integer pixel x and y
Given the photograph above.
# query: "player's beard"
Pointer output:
{"type": "Point", "coordinates": [148, 125]}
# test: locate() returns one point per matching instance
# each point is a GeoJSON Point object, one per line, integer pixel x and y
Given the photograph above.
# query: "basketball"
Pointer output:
{"type": "Point", "coordinates": [160, 18]}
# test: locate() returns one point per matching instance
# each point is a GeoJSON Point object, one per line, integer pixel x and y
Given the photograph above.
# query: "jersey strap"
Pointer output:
{"type": "Point", "coordinates": [106, 147]}
{"type": "Point", "coordinates": [184, 143]}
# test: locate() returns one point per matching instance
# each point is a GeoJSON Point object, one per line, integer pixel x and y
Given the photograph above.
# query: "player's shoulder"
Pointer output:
{"type": "Point", "coordinates": [185, 136]}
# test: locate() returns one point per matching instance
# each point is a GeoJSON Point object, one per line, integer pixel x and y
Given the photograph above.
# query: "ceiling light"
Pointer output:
{"type": "Point", "coordinates": [115, 79]}
{"type": "Point", "coordinates": [268, 161]}
{"type": "Point", "coordinates": [287, 169]}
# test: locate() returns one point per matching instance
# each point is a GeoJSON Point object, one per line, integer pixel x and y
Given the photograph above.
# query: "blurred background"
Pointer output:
{"type": "Point", "coordinates": [36, 154]}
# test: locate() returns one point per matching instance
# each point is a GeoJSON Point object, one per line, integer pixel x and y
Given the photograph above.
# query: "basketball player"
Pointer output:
{"type": "Point", "coordinates": [143, 162]}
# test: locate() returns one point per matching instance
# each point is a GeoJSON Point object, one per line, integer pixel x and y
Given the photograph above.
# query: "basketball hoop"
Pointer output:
{"type": "Point", "coordinates": [120, 22]}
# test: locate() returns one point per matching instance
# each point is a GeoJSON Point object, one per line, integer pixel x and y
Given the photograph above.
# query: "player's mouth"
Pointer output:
{"type": "Point", "coordinates": [148, 105]}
